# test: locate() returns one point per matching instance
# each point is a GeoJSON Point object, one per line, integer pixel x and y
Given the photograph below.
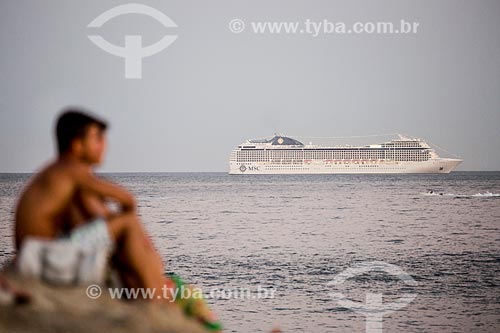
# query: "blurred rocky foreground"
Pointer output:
{"type": "Point", "coordinates": [68, 309]}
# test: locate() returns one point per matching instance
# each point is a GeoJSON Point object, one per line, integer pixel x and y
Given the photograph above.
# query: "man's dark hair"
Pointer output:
{"type": "Point", "coordinates": [73, 124]}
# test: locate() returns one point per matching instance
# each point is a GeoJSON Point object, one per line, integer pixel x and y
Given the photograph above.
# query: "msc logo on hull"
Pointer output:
{"type": "Point", "coordinates": [244, 168]}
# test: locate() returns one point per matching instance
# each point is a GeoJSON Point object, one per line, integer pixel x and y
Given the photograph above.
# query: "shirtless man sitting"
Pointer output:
{"type": "Point", "coordinates": [66, 198]}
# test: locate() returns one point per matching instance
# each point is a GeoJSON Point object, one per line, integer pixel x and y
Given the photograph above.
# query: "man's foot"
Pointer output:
{"type": "Point", "coordinates": [198, 308]}
{"type": "Point", "coordinates": [194, 305]}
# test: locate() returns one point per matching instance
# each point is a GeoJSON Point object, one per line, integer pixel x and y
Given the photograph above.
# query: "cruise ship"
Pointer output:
{"type": "Point", "coordinates": [285, 155]}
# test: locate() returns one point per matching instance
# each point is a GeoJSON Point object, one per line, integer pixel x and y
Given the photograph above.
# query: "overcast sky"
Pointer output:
{"type": "Point", "coordinates": [212, 88]}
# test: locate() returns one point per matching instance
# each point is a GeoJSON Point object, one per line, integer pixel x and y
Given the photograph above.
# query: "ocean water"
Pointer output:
{"type": "Point", "coordinates": [286, 238]}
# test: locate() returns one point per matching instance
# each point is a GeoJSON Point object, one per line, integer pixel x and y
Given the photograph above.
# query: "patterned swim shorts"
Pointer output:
{"type": "Point", "coordinates": [92, 236]}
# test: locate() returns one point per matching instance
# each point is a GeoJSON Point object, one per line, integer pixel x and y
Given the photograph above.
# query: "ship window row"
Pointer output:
{"type": "Point", "coordinates": [404, 144]}
{"type": "Point", "coordinates": [249, 156]}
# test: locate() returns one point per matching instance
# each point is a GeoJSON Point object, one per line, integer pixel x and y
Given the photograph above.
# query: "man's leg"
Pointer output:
{"type": "Point", "coordinates": [137, 252]}
{"type": "Point", "coordinates": [144, 261]}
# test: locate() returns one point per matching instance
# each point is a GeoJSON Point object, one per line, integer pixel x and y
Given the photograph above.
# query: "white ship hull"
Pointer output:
{"type": "Point", "coordinates": [285, 155]}
{"type": "Point", "coordinates": [439, 165]}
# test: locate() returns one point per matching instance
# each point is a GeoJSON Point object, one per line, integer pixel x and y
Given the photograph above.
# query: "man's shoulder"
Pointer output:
{"type": "Point", "coordinates": [58, 172]}
{"type": "Point", "coordinates": [52, 178]}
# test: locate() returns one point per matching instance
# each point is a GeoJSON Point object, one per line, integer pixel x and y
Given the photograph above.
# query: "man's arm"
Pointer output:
{"type": "Point", "coordinates": [87, 181]}
{"type": "Point", "coordinates": [92, 205]}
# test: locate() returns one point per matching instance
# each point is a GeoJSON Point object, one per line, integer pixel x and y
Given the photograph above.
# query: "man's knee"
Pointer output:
{"type": "Point", "coordinates": [121, 223]}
